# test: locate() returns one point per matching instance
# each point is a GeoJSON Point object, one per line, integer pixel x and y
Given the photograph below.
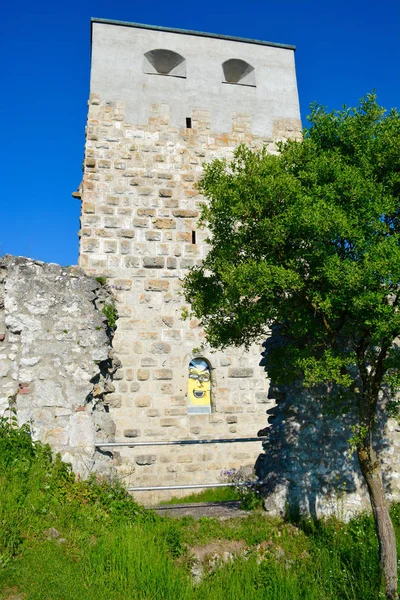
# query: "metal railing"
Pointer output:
{"type": "Point", "coordinates": [182, 443]}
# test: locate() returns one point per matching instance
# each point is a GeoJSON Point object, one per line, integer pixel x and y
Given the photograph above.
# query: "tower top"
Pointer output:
{"type": "Point", "coordinates": [191, 32]}
{"type": "Point", "coordinates": [142, 66]}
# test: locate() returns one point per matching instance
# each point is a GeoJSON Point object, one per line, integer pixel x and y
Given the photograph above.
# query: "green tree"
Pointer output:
{"type": "Point", "coordinates": [309, 240]}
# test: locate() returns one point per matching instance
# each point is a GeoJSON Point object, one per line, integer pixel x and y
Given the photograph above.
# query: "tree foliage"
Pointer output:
{"type": "Point", "coordinates": [309, 240]}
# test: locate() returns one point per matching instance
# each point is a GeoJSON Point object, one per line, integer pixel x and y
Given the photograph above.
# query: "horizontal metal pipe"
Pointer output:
{"type": "Point", "coordinates": [177, 442]}
{"type": "Point", "coordinates": [188, 487]}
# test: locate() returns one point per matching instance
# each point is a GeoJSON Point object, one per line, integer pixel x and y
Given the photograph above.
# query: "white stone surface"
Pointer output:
{"type": "Point", "coordinates": [46, 372]}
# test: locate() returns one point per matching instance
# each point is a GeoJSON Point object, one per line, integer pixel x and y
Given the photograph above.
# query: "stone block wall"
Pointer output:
{"type": "Point", "coordinates": [148, 135]}
{"type": "Point", "coordinates": [140, 208]}
{"type": "Point", "coordinates": [307, 465]}
{"type": "Point", "coordinates": [56, 360]}
{"type": "Point", "coordinates": [56, 371]}
{"type": "Point", "coordinates": [147, 138]}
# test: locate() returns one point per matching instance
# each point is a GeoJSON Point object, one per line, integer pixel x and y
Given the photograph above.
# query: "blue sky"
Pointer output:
{"type": "Point", "coordinates": [344, 50]}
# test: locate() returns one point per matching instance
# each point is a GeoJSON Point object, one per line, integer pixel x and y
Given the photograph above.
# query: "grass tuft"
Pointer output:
{"type": "Point", "coordinates": [209, 495]}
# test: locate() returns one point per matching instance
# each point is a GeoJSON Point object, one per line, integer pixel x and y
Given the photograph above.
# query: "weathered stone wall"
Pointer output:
{"type": "Point", "coordinates": [56, 360]}
{"type": "Point", "coordinates": [307, 465]}
{"type": "Point", "coordinates": [56, 368]}
{"type": "Point", "coordinates": [139, 228]}
{"type": "Point", "coordinates": [139, 209]}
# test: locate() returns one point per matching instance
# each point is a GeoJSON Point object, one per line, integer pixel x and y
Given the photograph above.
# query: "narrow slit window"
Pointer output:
{"type": "Point", "coordinates": [193, 237]}
{"type": "Point", "coordinates": [188, 123]}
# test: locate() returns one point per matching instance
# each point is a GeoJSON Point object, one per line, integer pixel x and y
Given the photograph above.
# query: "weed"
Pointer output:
{"type": "Point", "coordinates": [174, 541]}
{"type": "Point", "coordinates": [111, 314]}
{"type": "Point", "coordinates": [247, 492]}
{"type": "Point", "coordinates": [101, 280]}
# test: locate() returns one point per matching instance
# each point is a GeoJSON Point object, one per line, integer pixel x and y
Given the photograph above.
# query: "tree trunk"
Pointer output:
{"type": "Point", "coordinates": [371, 469]}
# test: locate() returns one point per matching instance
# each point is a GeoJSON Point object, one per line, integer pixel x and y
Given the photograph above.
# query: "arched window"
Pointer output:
{"type": "Point", "coordinates": [239, 72]}
{"type": "Point", "coordinates": [199, 387]}
{"type": "Point", "coordinates": [164, 62]}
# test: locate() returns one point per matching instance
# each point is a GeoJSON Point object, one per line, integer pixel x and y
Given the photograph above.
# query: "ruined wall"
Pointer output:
{"type": "Point", "coordinates": [56, 360]}
{"type": "Point", "coordinates": [148, 136]}
{"type": "Point", "coordinates": [56, 369]}
{"type": "Point", "coordinates": [307, 465]}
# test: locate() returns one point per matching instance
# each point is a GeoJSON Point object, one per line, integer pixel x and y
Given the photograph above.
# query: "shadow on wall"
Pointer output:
{"type": "Point", "coordinates": [306, 467]}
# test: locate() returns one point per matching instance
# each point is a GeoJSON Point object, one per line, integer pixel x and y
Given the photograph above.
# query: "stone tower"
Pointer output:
{"type": "Point", "coordinates": [163, 102]}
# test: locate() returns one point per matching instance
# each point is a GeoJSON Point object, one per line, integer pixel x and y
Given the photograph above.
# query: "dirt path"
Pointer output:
{"type": "Point", "coordinates": [218, 510]}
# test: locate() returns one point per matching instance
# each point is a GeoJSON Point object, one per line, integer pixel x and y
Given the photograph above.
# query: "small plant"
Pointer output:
{"type": "Point", "coordinates": [247, 491]}
{"type": "Point", "coordinates": [393, 409]}
{"type": "Point", "coordinates": [359, 432]}
{"type": "Point", "coordinates": [101, 280]}
{"type": "Point", "coordinates": [199, 349]}
{"type": "Point", "coordinates": [111, 314]}
{"type": "Point", "coordinates": [174, 542]}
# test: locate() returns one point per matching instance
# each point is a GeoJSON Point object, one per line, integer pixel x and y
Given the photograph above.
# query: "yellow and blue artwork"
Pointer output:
{"type": "Point", "coordinates": [199, 387]}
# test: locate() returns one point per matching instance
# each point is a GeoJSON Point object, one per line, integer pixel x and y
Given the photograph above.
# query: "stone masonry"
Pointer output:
{"type": "Point", "coordinates": [162, 103]}
{"type": "Point", "coordinates": [56, 372]}
{"type": "Point", "coordinates": [307, 465]}
{"type": "Point", "coordinates": [148, 135]}
{"type": "Point", "coordinates": [56, 360]}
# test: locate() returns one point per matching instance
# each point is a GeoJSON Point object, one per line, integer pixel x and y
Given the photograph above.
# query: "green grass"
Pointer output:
{"type": "Point", "coordinates": [109, 547]}
{"type": "Point", "coordinates": [209, 495]}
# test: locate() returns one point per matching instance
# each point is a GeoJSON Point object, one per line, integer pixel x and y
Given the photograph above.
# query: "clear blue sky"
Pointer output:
{"type": "Point", "coordinates": [344, 50]}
